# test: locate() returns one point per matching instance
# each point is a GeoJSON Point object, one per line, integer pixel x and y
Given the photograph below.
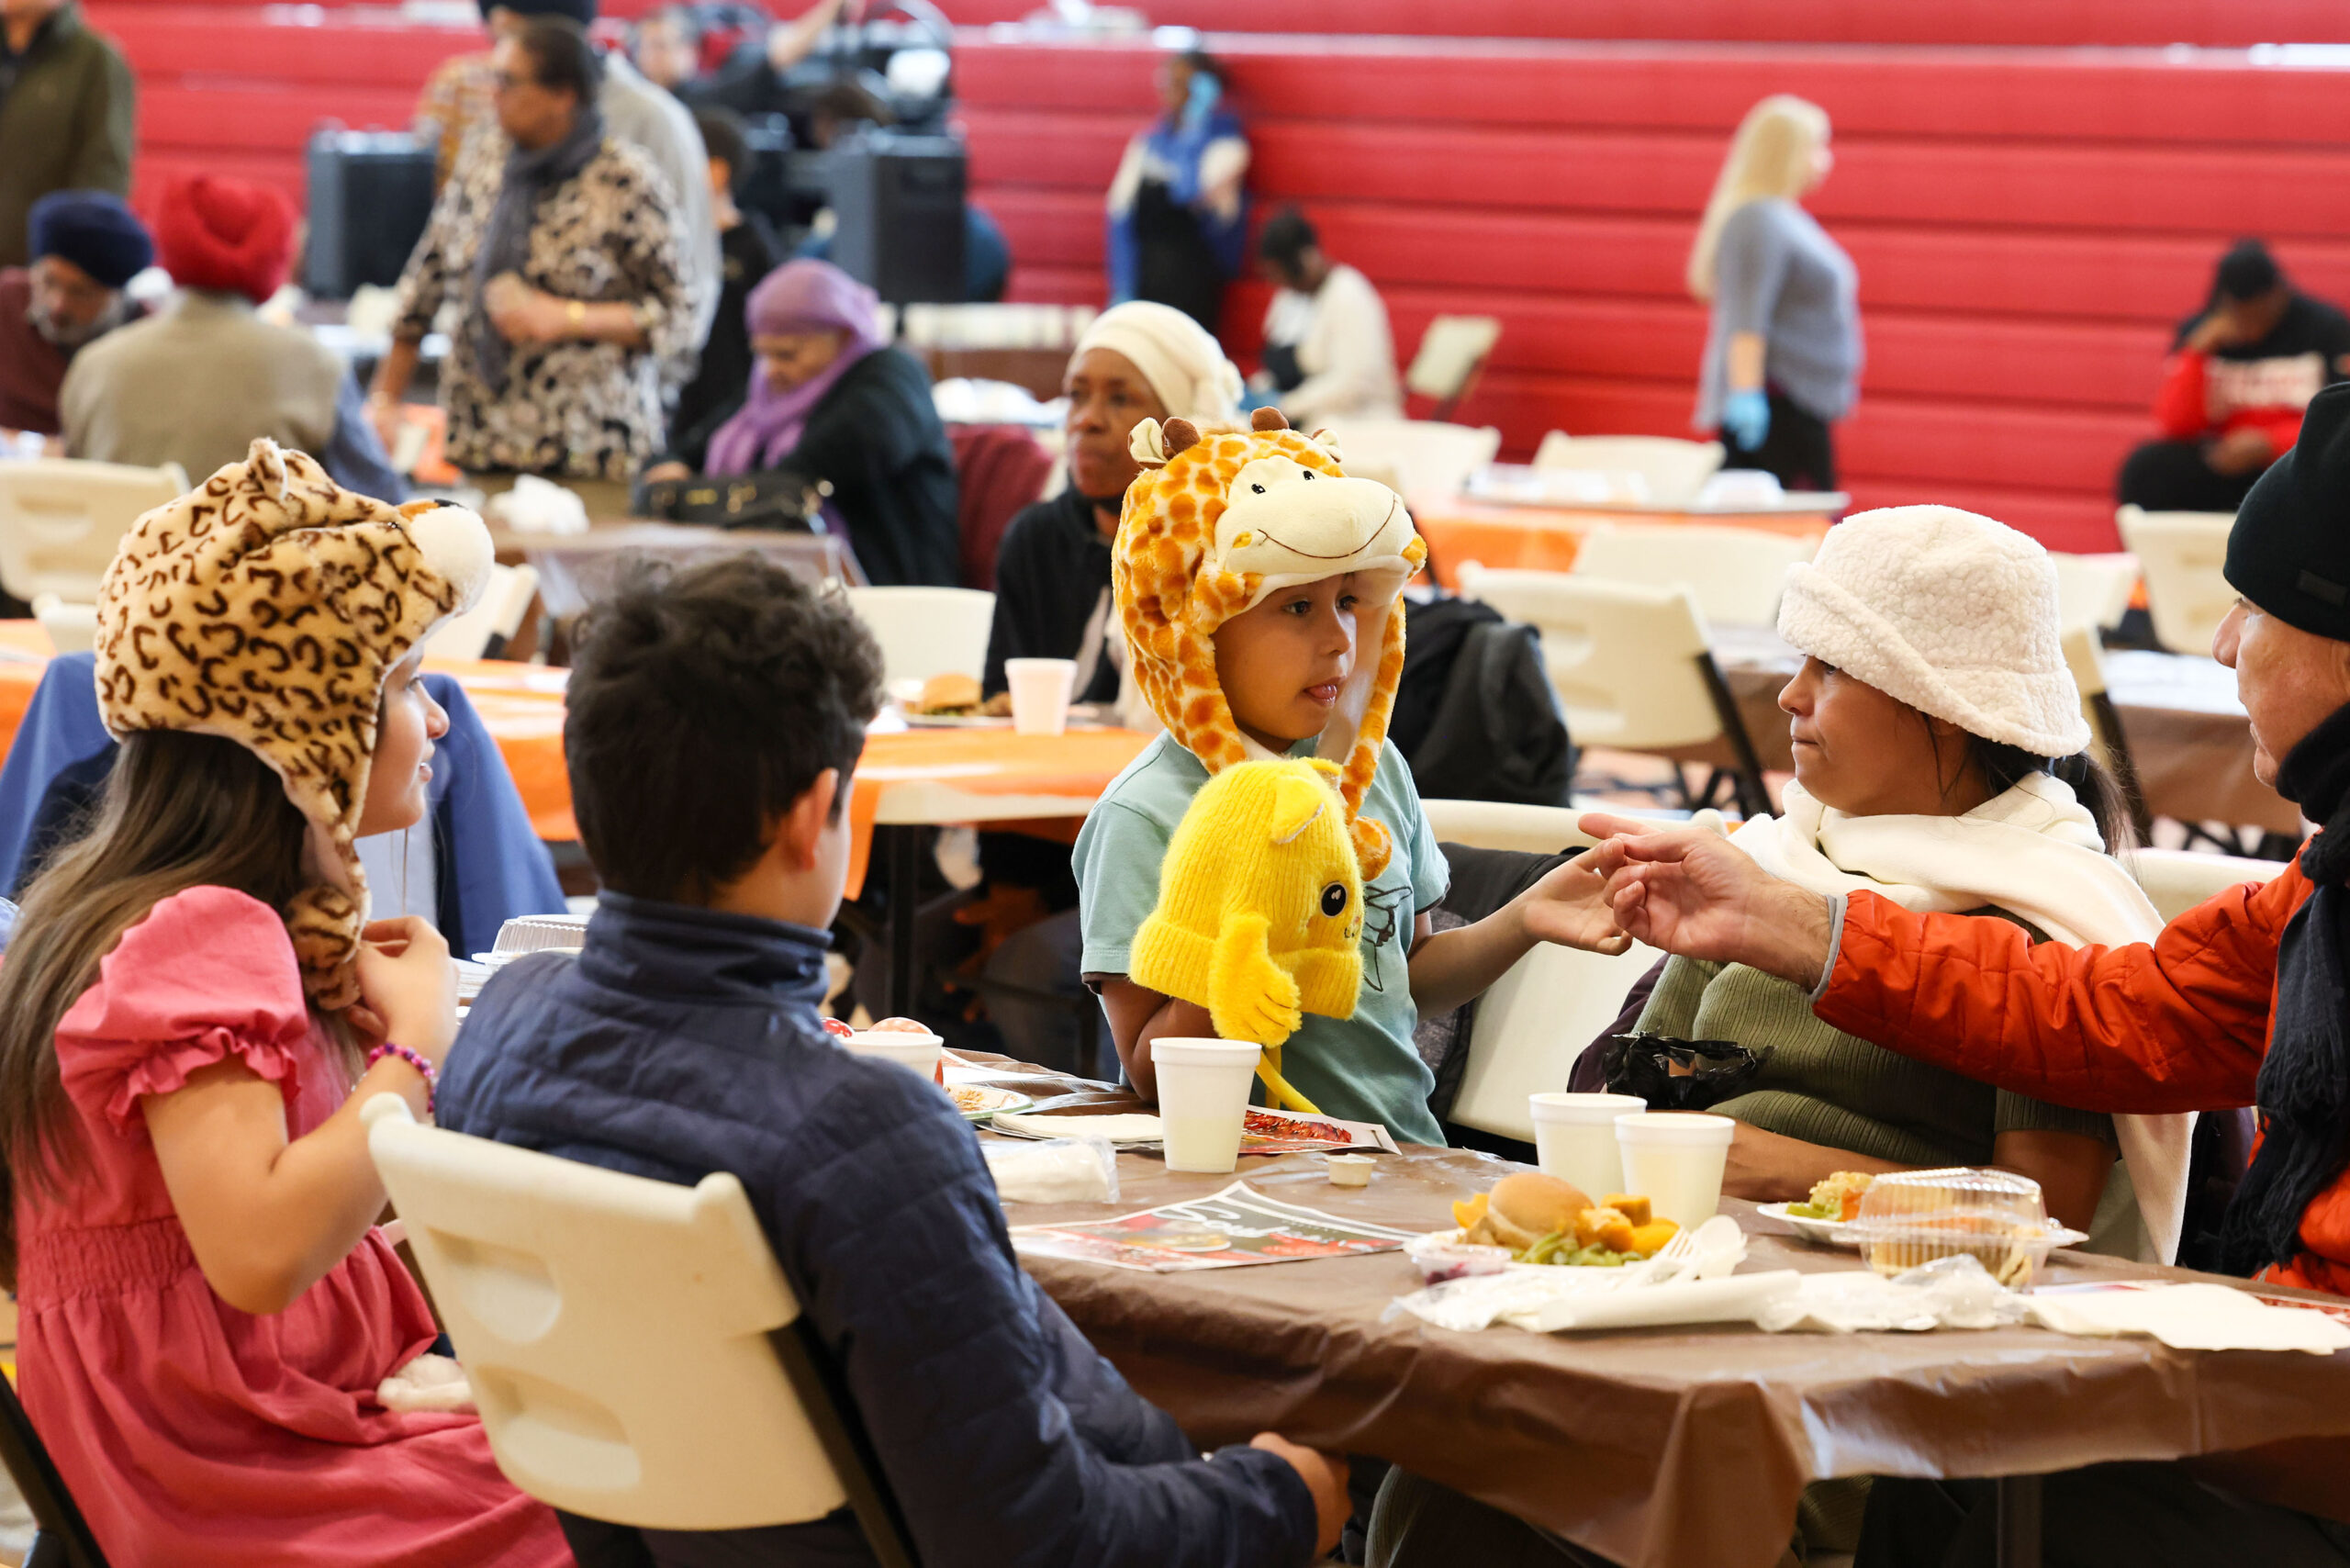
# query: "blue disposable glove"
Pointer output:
{"type": "Point", "coordinates": [1745, 418]}
{"type": "Point", "coordinates": [1200, 101]}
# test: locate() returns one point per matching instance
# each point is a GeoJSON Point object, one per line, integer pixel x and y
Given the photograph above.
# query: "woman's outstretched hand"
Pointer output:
{"type": "Point", "coordinates": [1686, 891]}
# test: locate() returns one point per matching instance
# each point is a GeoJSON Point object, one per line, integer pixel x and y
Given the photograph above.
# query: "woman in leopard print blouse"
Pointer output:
{"type": "Point", "coordinates": [560, 248]}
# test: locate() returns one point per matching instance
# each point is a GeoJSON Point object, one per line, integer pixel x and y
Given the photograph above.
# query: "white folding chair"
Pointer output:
{"type": "Point", "coordinates": [61, 519]}
{"type": "Point", "coordinates": [1500, 824]}
{"type": "Point", "coordinates": [636, 1354]}
{"type": "Point", "coordinates": [2178, 880]}
{"type": "Point", "coordinates": [71, 628]}
{"type": "Point", "coordinates": [1735, 574]}
{"type": "Point", "coordinates": [490, 626]}
{"type": "Point", "coordinates": [2182, 554]}
{"type": "Point", "coordinates": [1414, 457]}
{"type": "Point", "coordinates": [1631, 666]}
{"type": "Point", "coordinates": [2093, 591]}
{"type": "Point", "coordinates": [1534, 1021]}
{"type": "Point", "coordinates": [1672, 470]}
{"type": "Point", "coordinates": [925, 632]}
{"type": "Point", "coordinates": [1532, 1025]}
{"type": "Point", "coordinates": [1452, 353]}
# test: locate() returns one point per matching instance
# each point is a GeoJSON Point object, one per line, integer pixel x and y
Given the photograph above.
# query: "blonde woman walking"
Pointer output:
{"type": "Point", "coordinates": [1782, 360]}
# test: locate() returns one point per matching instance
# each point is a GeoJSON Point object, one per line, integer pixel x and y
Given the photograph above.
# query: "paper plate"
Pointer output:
{"type": "Point", "coordinates": [978, 1102]}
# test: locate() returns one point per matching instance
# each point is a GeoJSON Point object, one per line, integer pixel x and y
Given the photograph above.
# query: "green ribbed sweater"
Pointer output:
{"type": "Point", "coordinates": [1827, 1087]}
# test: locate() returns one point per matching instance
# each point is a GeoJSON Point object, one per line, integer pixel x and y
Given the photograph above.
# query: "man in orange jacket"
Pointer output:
{"type": "Point", "coordinates": [2243, 1001]}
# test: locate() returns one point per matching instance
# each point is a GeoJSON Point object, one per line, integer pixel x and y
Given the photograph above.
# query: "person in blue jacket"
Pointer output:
{"type": "Point", "coordinates": [1179, 215]}
{"type": "Point", "coordinates": [714, 721]}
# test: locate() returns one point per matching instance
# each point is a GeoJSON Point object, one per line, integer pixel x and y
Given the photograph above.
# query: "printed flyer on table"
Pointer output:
{"type": "Point", "coordinates": [1235, 1227]}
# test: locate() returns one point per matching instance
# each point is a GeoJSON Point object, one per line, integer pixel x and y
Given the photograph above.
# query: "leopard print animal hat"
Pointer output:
{"type": "Point", "coordinates": [1214, 523]}
{"type": "Point", "coordinates": [267, 606]}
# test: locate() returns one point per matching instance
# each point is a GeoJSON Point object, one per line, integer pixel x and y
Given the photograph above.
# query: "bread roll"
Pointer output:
{"type": "Point", "coordinates": [950, 693]}
{"type": "Point", "coordinates": [1525, 1208]}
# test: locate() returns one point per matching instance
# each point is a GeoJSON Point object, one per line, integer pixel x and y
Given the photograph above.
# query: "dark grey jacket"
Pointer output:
{"type": "Point", "coordinates": [684, 1041]}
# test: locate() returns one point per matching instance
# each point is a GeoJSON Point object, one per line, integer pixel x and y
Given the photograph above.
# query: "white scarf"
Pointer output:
{"type": "Point", "coordinates": [2033, 852]}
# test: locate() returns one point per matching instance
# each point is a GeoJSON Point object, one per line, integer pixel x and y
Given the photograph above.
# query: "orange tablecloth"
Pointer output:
{"type": "Point", "coordinates": [959, 773]}
{"type": "Point", "coordinates": [19, 677]}
{"type": "Point", "coordinates": [1035, 771]}
{"type": "Point", "coordinates": [1546, 539]}
{"type": "Point", "coordinates": [521, 705]}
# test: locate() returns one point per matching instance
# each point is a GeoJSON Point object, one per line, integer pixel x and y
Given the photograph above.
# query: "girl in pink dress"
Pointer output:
{"type": "Point", "coordinates": [186, 1204]}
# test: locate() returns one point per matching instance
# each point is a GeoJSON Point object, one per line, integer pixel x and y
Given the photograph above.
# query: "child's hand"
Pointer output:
{"type": "Point", "coordinates": [407, 987]}
{"type": "Point", "coordinates": [1570, 907]}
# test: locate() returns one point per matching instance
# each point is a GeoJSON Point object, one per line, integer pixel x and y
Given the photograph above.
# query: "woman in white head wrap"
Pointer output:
{"type": "Point", "coordinates": [1138, 361]}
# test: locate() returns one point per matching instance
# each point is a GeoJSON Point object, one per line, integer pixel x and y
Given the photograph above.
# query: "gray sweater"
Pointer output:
{"type": "Point", "coordinates": [196, 383]}
{"type": "Point", "coordinates": [1777, 272]}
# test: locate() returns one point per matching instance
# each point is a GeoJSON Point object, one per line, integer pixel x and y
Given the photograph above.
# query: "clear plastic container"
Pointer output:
{"type": "Point", "coordinates": [1442, 1255]}
{"type": "Point", "coordinates": [1910, 1218]}
{"type": "Point", "coordinates": [538, 932]}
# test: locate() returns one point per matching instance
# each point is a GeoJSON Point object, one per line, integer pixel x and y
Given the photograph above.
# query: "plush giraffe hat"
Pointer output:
{"type": "Point", "coordinates": [1216, 522]}
{"type": "Point", "coordinates": [267, 606]}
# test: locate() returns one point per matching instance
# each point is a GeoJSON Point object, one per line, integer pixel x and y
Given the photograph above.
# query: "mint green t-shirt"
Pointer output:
{"type": "Point", "coordinates": [1365, 1068]}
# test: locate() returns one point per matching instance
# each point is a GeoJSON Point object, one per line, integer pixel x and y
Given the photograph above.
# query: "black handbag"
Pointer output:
{"type": "Point", "coordinates": [776, 499]}
{"type": "Point", "coordinates": [1679, 1075]}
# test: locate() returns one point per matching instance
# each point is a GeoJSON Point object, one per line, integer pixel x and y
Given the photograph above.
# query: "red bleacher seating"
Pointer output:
{"type": "Point", "coordinates": [2041, 23]}
{"type": "Point", "coordinates": [2029, 222]}
{"type": "Point", "coordinates": [2029, 225]}
{"type": "Point", "coordinates": [237, 90]}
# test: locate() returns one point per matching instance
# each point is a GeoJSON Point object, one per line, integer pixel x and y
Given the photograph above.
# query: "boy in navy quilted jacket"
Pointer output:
{"type": "Point", "coordinates": [714, 721]}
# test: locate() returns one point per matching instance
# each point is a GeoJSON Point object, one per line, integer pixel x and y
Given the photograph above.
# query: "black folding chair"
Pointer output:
{"type": "Point", "coordinates": [63, 1539]}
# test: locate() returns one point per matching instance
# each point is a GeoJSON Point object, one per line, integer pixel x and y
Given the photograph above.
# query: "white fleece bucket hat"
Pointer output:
{"type": "Point", "coordinates": [1952, 613]}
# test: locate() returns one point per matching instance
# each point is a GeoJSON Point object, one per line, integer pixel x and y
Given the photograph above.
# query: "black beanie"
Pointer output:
{"type": "Point", "coordinates": [580, 11]}
{"type": "Point", "coordinates": [2247, 271]}
{"type": "Point", "coordinates": [2289, 551]}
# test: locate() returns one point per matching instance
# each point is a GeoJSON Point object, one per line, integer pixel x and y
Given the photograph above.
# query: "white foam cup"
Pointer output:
{"type": "Point", "coordinates": [918, 1053]}
{"type": "Point", "coordinates": [1040, 694]}
{"type": "Point", "coordinates": [1575, 1139]}
{"type": "Point", "coordinates": [1203, 1099]}
{"type": "Point", "coordinates": [1675, 1158]}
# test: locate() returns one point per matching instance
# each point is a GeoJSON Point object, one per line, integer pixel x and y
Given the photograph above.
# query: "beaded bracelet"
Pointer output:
{"type": "Point", "coordinates": [415, 1060]}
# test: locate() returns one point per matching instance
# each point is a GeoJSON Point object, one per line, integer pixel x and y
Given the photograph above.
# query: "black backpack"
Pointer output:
{"type": "Point", "coordinates": [1474, 713]}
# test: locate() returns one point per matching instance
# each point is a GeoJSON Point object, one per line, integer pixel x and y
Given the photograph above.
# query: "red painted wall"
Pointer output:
{"type": "Point", "coordinates": [2029, 225]}
{"type": "Point", "coordinates": [2028, 222]}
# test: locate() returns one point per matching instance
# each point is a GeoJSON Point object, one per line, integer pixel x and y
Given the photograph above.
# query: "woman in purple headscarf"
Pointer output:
{"type": "Point", "coordinates": [829, 399]}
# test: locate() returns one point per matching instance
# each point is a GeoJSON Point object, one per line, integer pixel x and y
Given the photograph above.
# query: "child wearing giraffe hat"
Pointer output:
{"type": "Point", "coordinates": [1260, 590]}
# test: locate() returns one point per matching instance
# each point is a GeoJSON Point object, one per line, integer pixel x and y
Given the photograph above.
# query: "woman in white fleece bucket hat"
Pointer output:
{"type": "Point", "coordinates": [1940, 761]}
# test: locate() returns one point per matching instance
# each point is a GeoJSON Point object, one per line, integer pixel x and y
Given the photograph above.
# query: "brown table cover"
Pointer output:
{"type": "Point", "coordinates": [1666, 1448]}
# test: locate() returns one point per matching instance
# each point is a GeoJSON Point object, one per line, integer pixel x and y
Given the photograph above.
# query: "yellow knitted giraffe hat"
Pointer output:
{"type": "Point", "coordinates": [1214, 523]}
{"type": "Point", "coordinates": [267, 606]}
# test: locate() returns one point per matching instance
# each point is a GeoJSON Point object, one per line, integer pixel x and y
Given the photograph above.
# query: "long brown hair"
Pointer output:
{"type": "Point", "coordinates": [179, 810]}
{"type": "Point", "coordinates": [2003, 767]}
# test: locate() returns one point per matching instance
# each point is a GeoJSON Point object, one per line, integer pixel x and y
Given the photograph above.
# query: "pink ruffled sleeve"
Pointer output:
{"type": "Point", "coordinates": [210, 974]}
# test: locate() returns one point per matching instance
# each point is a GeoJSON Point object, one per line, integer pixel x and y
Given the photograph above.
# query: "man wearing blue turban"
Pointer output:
{"type": "Point", "coordinates": [84, 245]}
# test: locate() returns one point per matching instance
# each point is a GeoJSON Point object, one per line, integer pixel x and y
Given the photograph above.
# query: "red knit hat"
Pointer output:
{"type": "Point", "coordinates": [226, 234]}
